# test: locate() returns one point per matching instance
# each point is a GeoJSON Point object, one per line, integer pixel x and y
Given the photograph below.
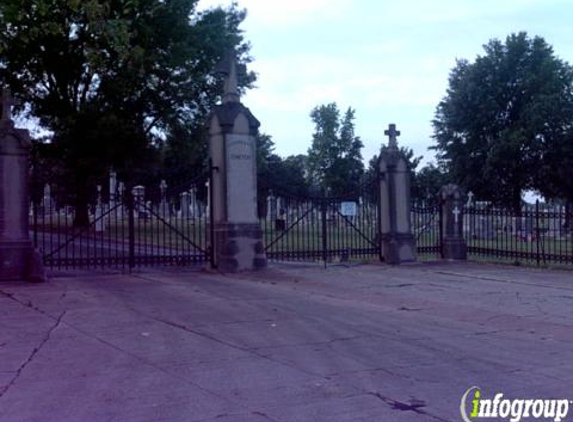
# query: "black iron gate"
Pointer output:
{"type": "Point", "coordinates": [130, 227]}
{"type": "Point", "coordinates": [321, 227]}
{"type": "Point", "coordinates": [427, 226]}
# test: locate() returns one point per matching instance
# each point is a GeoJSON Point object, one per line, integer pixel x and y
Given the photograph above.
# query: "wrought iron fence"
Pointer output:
{"type": "Point", "coordinates": [322, 228]}
{"type": "Point", "coordinates": [427, 229]}
{"type": "Point", "coordinates": [539, 234]}
{"type": "Point", "coordinates": [125, 227]}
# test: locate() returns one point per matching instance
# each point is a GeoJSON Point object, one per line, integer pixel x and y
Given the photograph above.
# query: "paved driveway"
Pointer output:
{"type": "Point", "coordinates": [293, 343]}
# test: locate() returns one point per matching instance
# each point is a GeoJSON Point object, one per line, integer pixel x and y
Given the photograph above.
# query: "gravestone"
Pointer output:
{"type": "Point", "coordinates": [138, 193]}
{"type": "Point", "coordinates": [454, 245]}
{"type": "Point", "coordinates": [121, 212]}
{"type": "Point", "coordinates": [99, 215]}
{"type": "Point", "coordinates": [397, 241]}
{"type": "Point", "coordinates": [194, 203]}
{"type": "Point", "coordinates": [48, 205]}
{"type": "Point", "coordinates": [272, 206]}
{"type": "Point", "coordinates": [470, 202]}
{"type": "Point", "coordinates": [18, 259]}
{"type": "Point", "coordinates": [112, 189]}
{"type": "Point", "coordinates": [163, 204]}
{"type": "Point", "coordinates": [237, 243]}
{"type": "Point", "coordinates": [280, 222]}
{"type": "Point", "coordinates": [185, 205]}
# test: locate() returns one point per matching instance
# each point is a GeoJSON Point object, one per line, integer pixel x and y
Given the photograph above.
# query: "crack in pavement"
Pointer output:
{"type": "Point", "coordinates": [102, 341]}
{"type": "Point", "coordinates": [252, 351]}
{"type": "Point", "coordinates": [35, 351]}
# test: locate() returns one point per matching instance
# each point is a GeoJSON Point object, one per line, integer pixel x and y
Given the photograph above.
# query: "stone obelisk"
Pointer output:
{"type": "Point", "coordinates": [18, 259]}
{"type": "Point", "coordinates": [237, 243]}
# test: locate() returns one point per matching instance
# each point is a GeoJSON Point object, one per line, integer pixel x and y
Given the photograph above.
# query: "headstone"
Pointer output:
{"type": "Point", "coordinates": [185, 205]}
{"type": "Point", "coordinates": [453, 245]}
{"type": "Point", "coordinates": [48, 206]}
{"type": "Point", "coordinates": [138, 193]}
{"type": "Point", "coordinates": [193, 202]}
{"type": "Point", "coordinates": [112, 189]}
{"type": "Point", "coordinates": [18, 259]}
{"type": "Point", "coordinates": [470, 202]}
{"type": "Point", "coordinates": [99, 217]}
{"type": "Point", "coordinates": [121, 212]}
{"type": "Point", "coordinates": [397, 241]}
{"type": "Point", "coordinates": [163, 204]}
{"type": "Point", "coordinates": [280, 222]}
{"type": "Point", "coordinates": [272, 207]}
{"type": "Point", "coordinates": [237, 243]}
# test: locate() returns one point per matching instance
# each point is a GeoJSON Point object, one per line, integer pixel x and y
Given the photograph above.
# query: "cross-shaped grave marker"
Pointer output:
{"type": "Point", "coordinates": [470, 199]}
{"type": "Point", "coordinates": [393, 134]}
{"type": "Point", "coordinates": [456, 213]}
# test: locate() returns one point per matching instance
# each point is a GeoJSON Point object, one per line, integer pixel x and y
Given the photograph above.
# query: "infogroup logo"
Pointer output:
{"type": "Point", "coordinates": [474, 407]}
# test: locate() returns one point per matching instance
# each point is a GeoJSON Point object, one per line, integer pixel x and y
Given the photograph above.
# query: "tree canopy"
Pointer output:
{"type": "Point", "coordinates": [335, 157]}
{"type": "Point", "coordinates": [110, 78]}
{"type": "Point", "coordinates": [501, 116]}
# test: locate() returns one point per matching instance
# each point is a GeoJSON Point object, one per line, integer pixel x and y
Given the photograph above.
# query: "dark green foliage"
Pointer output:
{"type": "Point", "coordinates": [111, 79]}
{"type": "Point", "coordinates": [427, 182]}
{"type": "Point", "coordinates": [500, 116]}
{"type": "Point", "coordinates": [335, 158]}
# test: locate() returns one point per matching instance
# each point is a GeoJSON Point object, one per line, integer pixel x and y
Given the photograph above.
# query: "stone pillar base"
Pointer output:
{"type": "Point", "coordinates": [454, 249]}
{"type": "Point", "coordinates": [239, 247]}
{"type": "Point", "coordinates": [398, 248]}
{"type": "Point", "coordinates": [20, 261]}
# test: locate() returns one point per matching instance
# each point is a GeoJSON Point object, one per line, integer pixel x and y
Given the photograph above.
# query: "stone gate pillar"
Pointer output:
{"type": "Point", "coordinates": [18, 259]}
{"type": "Point", "coordinates": [453, 245]}
{"type": "Point", "coordinates": [237, 243]}
{"type": "Point", "coordinates": [397, 240]}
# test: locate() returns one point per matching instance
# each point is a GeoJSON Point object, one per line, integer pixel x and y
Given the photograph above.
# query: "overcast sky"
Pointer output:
{"type": "Point", "coordinates": [389, 60]}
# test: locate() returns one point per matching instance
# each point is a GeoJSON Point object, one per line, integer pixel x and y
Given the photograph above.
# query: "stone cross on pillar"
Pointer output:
{"type": "Point", "coordinates": [454, 245]}
{"type": "Point", "coordinates": [393, 134]}
{"type": "Point", "coordinates": [397, 242]}
{"type": "Point", "coordinates": [456, 213]}
{"type": "Point", "coordinates": [18, 259]}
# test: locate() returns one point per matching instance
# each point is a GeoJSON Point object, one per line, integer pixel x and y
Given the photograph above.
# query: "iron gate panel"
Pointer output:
{"type": "Point", "coordinates": [427, 228]}
{"type": "Point", "coordinates": [131, 228]}
{"type": "Point", "coordinates": [323, 228]}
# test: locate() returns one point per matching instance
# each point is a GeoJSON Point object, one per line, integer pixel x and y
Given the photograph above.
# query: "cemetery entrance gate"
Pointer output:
{"type": "Point", "coordinates": [322, 227]}
{"type": "Point", "coordinates": [125, 226]}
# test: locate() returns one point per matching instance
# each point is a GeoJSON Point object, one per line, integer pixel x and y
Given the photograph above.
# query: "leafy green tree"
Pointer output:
{"type": "Point", "coordinates": [282, 176]}
{"type": "Point", "coordinates": [553, 178]}
{"type": "Point", "coordinates": [499, 112]}
{"type": "Point", "coordinates": [374, 169]}
{"type": "Point", "coordinates": [428, 181]}
{"type": "Point", "coordinates": [335, 158]}
{"type": "Point", "coordinates": [109, 77]}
